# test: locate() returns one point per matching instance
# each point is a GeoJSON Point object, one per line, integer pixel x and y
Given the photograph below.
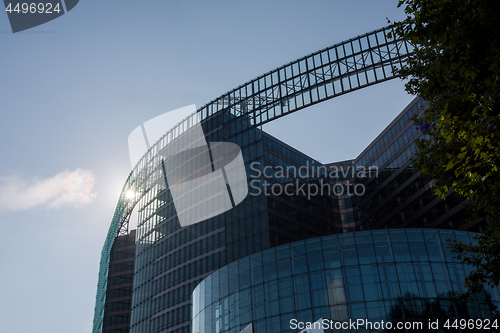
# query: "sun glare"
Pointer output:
{"type": "Point", "coordinates": [130, 194]}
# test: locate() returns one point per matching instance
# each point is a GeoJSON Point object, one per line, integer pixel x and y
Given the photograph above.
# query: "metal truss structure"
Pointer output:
{"type": "Point", "coordinates": [339, 69]}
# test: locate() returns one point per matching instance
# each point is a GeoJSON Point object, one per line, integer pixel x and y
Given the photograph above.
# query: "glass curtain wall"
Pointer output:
{"type": "Point", "coordinates": [399, 275]}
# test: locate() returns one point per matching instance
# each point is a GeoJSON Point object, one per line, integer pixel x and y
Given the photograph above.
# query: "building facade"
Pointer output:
{"type": "Point", "coordinates": [390, 276]}
{"type": "Point", "coordinates": [377, 190]}
{"type": "Point", "coordinates": [120, 283]}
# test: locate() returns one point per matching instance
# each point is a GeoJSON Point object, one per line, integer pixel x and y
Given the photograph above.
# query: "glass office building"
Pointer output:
{"type": "Point", "coordinates": [398, 197]}
{"type": "Point", "coordinates": [395, 276]}
{"type": "Point", "coordinates": [118, 304]}
{"type": "Point", "coordinates": [172, 261]}
{"type": "Point", "coordinates": [271, 225]}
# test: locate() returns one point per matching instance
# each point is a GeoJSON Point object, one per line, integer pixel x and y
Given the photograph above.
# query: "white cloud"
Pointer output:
{"type": "Point", "coordinates": [67, 188]}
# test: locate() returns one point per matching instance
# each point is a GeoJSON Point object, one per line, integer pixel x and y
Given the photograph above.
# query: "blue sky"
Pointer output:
{"type": "Point", "coordinates": [73, 89]}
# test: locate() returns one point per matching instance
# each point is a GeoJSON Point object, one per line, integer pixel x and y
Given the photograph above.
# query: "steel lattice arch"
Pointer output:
{"type": "Point", "coordinates": [336, 70]}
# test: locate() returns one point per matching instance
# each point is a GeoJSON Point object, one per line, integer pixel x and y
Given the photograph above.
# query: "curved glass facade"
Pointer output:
{"type": "Point", "coordinates": [398, 275]}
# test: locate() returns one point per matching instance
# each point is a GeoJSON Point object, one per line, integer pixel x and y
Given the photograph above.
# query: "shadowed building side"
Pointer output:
{"type": "Point", "coordinates": [118, 304]}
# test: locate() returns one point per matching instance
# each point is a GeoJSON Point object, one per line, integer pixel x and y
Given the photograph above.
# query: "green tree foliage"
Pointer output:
{"type": "Point", "coordinates": [456, 68]}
